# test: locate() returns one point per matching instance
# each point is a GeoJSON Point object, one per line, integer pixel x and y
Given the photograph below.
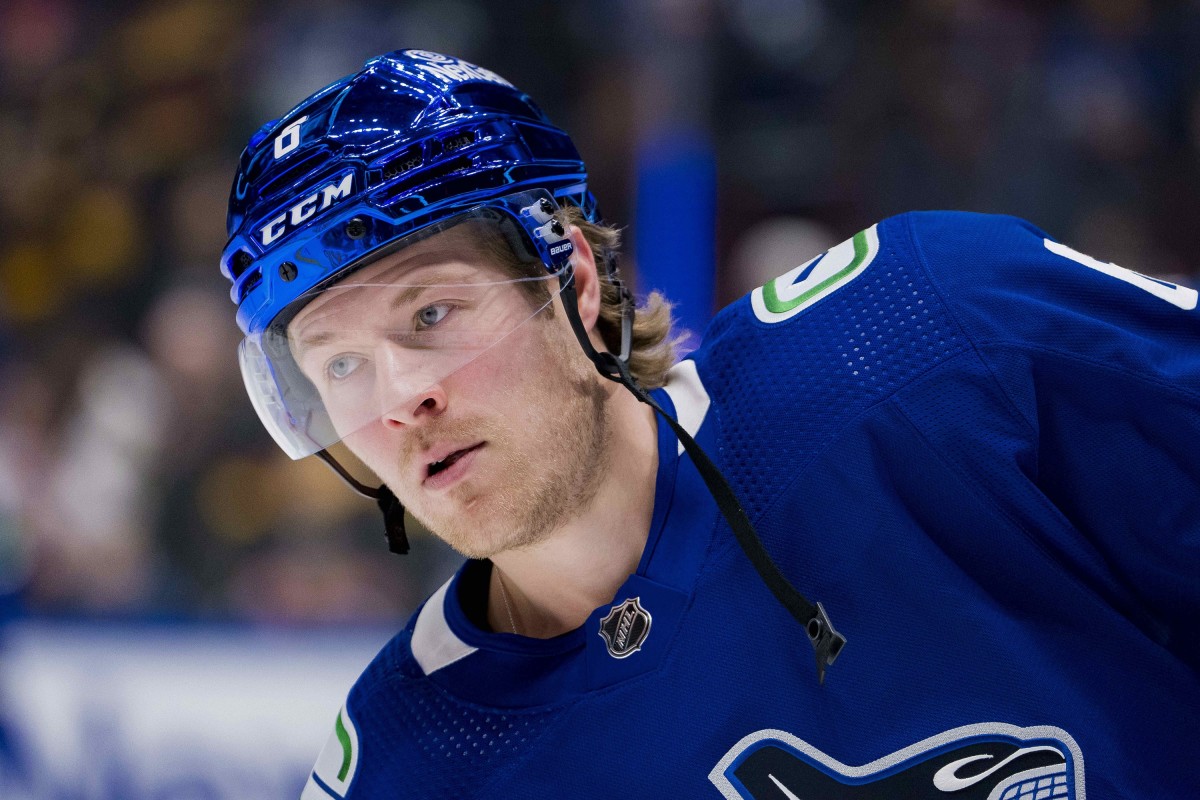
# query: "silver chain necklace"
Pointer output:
{"type": "Point", "coordinates": [504, 596]}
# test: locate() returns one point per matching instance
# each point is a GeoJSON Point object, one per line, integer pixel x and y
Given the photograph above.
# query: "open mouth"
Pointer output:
{"type": "Point", "coordinates": [439, 466]}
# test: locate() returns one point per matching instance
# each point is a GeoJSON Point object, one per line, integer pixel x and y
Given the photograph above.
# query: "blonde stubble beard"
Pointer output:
{"type": "Point", "coordinates": [526, 502]}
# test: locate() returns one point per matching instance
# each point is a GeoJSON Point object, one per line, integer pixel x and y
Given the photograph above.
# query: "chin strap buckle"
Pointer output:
{"type": "Point", "coordinates": [393, 511]}
{"type": "Point", "coordinates": [393, 520]}
{"type": "Point", "coordinates": [826, 641]}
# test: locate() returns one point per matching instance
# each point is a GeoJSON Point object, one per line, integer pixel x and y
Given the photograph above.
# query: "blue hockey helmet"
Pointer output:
{"type": "Point", "coordinates": [412, 143]}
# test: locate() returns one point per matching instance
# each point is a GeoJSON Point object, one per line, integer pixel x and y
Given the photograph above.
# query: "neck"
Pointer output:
{"type": "Point", "coordinates": [551, 587]}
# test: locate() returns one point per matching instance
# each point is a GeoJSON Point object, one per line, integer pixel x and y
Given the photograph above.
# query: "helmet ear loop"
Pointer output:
{"type": "Point", "coordinates": [627, 310]}
{"type": "Point", "coordinates": [607, 364]}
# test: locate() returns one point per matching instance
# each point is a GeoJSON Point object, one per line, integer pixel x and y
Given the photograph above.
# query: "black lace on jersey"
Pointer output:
{"type": "Point", "coordinates": [826, 641]}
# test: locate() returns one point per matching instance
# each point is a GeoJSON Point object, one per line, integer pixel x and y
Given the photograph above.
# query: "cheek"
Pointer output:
{"type": "Point", "coordinates": [503, 369]}
{"type": "Point", "coordinates": [374, 445]}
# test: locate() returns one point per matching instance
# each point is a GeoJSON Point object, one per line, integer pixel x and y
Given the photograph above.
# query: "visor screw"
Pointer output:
{"type": "Point", "coordinates": [356, 228]}
{"type": "Point", "coordinates": [547, 206]}
{"type": "Point", "coordinates": [287, 271]}
{"type": "Point", "coordinates": [557, 228]}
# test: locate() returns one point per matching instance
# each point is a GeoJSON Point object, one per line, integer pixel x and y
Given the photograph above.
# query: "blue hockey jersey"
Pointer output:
{"type": "Point", "coordinates": [976, 447]}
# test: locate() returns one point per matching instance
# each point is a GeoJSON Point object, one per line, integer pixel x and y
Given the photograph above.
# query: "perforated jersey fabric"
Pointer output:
{"type": "Point", "coordinates": [461, 745]}
{"type": "Point", "coordinates": [979, 451]}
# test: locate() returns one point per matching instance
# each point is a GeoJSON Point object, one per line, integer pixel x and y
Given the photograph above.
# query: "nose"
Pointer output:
{"type": "Point", "coordinates": [415, 409]}
{"type": "Point", "coordinates": [410, 389]}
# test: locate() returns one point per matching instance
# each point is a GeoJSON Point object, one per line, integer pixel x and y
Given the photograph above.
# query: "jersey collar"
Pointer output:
{"type": "Point", "coordinates": [503, 669]}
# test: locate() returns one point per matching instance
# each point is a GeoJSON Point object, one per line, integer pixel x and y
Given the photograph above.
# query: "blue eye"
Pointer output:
{"type": "Point", "coordinates": [342, 366]}
{"type": "Point", "coordinates": [432, 315]}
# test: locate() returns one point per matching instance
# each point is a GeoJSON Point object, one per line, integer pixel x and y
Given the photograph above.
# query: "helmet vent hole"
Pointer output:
{"type": "Point", "coordinates": [458, 141]}
{"type": "Point", "coordinates": [240, 262]}
{"type": "Point", "coordinates": [422, 178]}
{"type": "Point", "coordinates": [407, 161]}
{"type": "Point", "coordinates": [251, 283]}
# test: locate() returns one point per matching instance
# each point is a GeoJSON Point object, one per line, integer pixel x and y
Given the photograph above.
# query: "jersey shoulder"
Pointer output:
{"type": "Point", "coordinates": [1012, 286]}
{"type": "Point", "coordinates": [793, 363]}
{"type": "Point", "coordinates": [1009, 261]}
{"type": "Point", "coordinates": [363, 726]}
{"type": "Point", "coordinates": [404, 725]}
{"type": "Point", "coordinates": [977, 279]}
{"type": "Point", "coordinates": [965, 246]}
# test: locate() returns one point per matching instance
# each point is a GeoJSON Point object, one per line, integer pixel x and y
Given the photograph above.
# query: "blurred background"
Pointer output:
{"type": "Point", "coordinates": [182, 608]}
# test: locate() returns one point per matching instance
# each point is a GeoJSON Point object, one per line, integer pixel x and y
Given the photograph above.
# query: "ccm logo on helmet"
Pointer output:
{"type": "Point", "coordinates": [319, 200]}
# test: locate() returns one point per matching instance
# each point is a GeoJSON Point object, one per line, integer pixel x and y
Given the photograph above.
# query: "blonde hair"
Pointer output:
{"type": "Point", "coordinates": [653, 349]}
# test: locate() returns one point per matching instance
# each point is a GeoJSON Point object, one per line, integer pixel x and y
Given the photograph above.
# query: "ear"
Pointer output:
{"type": "Point", "coordinates": [587, 281]}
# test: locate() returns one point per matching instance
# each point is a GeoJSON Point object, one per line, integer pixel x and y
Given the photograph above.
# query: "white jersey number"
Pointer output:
{"type": "Point", "coordinates": [1176, 295]}
{"type": "Point", "coordinates": [289, 140]}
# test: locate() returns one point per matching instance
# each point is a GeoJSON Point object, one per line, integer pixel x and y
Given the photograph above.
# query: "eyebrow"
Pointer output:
{"type": "Point", "coordinates": [407, 296]}
{"type": "Point", "coordinates": [315, 340]}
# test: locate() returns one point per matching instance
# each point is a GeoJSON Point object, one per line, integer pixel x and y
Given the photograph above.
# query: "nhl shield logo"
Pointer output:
{"type": "Point", "coordinates": [625, 628]}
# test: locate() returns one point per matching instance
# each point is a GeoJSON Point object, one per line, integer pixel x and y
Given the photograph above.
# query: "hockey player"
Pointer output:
{"type": "Point", "coordinates": [977, 448]}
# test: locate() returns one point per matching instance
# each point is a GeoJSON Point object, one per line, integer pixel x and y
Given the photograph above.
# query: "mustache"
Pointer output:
{"type": "Point", "coordinates": [458, 430]}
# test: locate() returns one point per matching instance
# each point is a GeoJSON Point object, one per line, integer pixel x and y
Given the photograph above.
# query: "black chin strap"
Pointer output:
{"type": "Point", "coordinates": [826, 641]}
{"type": "Point", "coordinates": [393, 512]}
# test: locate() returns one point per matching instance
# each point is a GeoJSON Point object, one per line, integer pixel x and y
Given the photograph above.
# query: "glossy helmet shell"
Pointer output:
{"type": "Point", "coordinates": [412, 139]}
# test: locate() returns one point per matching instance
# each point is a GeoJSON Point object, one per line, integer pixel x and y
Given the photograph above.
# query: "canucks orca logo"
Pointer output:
{"type": "Point", "coordinates": [990, 761]}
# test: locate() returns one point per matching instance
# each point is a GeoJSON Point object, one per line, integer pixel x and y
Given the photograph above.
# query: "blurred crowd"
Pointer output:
{"type": "Point", "coordinates": [135, 479]}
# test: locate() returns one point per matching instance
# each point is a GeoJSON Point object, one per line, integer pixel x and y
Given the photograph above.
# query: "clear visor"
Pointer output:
{"type": "Point", "coordinates": [369, 347]}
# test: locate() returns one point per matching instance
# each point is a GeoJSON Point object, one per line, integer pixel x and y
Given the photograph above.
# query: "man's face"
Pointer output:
{"type": "Point", "coordinates": [466, 395]}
